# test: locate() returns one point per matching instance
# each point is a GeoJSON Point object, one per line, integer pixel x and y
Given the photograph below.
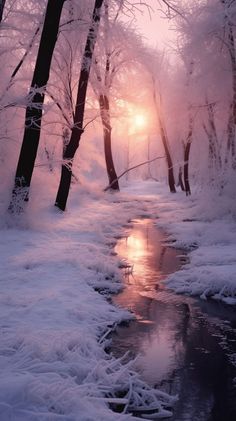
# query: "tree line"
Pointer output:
{"type": "Point", "coordinates": [193, 98]}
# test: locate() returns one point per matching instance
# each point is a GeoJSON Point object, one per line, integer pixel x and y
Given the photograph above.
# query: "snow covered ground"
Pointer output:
{"type": "Point", "coordinates": [206, 228]}
{"type": "Point", "coordinates": [57, 271]}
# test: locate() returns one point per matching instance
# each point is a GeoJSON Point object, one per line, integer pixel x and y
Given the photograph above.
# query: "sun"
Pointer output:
{"type": "Point", "coordinates": [139, 121]}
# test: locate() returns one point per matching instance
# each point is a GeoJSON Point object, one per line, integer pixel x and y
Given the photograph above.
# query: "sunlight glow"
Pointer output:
{"type": "Point", "coordinates": [135, 119]}
{"type": "Point", "coordinates": [135, 246]}
{"type": "Point", "coordinates": [140, 121]}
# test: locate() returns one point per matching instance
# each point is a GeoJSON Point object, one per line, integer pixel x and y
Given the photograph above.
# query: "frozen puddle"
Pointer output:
{"type": "Point", "coordinates": [185, 346]}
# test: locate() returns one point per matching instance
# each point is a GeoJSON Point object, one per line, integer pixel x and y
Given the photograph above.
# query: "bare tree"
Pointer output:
{"type": "Point", "coordinates": [77, 129]}
{"type": "Point", "coordinates": [214, 157]}
{"type": "Point", "coordinates": [164, 138]}
{"type": "Point", "coordinates": [104, 86]}
{"type": "Point", "coordinates": [230, 43]}
{"type": "Point", "coordinates": [34, 109]}
{"type": "Point", "coordinates": [106, 123]}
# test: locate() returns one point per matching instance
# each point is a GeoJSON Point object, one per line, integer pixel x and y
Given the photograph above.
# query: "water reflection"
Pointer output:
{"type": "Point", "coordinates": [185, 346]}
{"type": "Point", "coordinates": [143, 251]}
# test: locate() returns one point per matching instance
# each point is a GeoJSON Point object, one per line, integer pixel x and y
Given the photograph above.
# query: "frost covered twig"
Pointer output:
{"type": "Point", "coordinates": [121, 386]}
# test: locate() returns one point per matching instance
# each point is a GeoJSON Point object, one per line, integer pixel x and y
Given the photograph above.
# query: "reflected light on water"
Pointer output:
{"type": "Point", "coordinates": [179, 347]}
{"type": "Point", "coordinates": [143, 251]}
{"type": "Point", "coordinates": [157, 356]}
{"type": "Point", "coordinates": [135, 247]}
{"type": "Point", "coordinates": [151, 261]}
{"type": "Point", "coordinates": [162, 347]}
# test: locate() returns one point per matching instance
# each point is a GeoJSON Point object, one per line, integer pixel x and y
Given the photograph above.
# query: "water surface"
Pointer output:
{"type": "Point", "coordinates": [186, 346]}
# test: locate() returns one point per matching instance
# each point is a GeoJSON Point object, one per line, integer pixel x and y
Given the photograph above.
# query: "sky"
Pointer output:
{"type": "Point", "coordinates": [154, 26]}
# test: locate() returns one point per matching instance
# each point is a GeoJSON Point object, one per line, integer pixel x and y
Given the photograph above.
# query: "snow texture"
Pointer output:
{"type": "Point", "coordinates": [57, 272]}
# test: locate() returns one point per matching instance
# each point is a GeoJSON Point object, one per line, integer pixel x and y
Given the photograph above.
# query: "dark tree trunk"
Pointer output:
{"type": "Point", "coordinates": [186, 168]}
{"type": "Point", "coordinates": [186, 157]}
{"type": "Point", "coordinates": [232, 53]}
{"type": "Point", "coordinates": [105, 116]}
{"type": "Point", "coordinates": [2, 4]}
{"type": "Point", "coordinates": [104, 104]}
{"type": "Point", "coordinates": [77, 130]}
{"type": "Point", "coordinates": [233, 64]}
{"type": "Point", "coordinates": [171, 179]}
{"type": "Point", "coordinates": [229, 27]}
{"type": "Point", "coordinates": [33, 115]}
{"type": "Point", "coordinates": [180, 179]}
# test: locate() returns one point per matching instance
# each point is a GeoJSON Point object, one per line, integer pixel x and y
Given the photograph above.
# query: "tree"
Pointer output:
{"type": "Point", "coordinates": [117, 57]}
{"type": "Point", "coordinates": [2, 4]}
{"type": "Point", "coordinates": [104, 106]}
{"type": "Point", "coordinates": [230, 43]}
{"type": "Point", "coordinates": [215, 162]}
{"type": "Point", "coordinates": [187, 146]}
{"type": "Point", "coordinates": [180, 179]}
{"type": "Point", "coordinates": [77, 129]}
{"type": "Point", "coordinates": [105, 117]}
{"type": "Point", "coordinates": [33, 116]}
{"type": "Point", "coordinates": [208, 36]}
{"type": "Point", "coordinates": [171, 179]}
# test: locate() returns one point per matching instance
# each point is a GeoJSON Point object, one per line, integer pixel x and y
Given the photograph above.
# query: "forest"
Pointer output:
{"type": "Point", "coordinates": [84, 98]}
{"type": "Point", "coordinates": [116, 117]}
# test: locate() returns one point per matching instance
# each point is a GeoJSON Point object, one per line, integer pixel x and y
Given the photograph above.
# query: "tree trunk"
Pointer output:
{"type": "Point", "coordinates": [77, 130]}
{"type": "Point", "coordinates": [186, 157]}
{"type": "Point", "coordinates": [171, 179]}
{"type": "Point", "coordinates": [233, 122]}
{"type": "Point", "coordinates": [180, 179]}
{"type": "Point", "coordinates": [105, 116]}
{"type": "Point", "coordinates": [34, 109]}
{"type": "Point", "coordinates": [104, 84]}
{"type": "Point", "coordinates": [232, 53]}
{"type": "Point", "coordinates": [149, 175]}
{"type": "Point", "coordinates": [2, 4]}
{"type": "Point", "coordinates": [214, 149]}
{"type": "Point", "coordinates": [186, 167]}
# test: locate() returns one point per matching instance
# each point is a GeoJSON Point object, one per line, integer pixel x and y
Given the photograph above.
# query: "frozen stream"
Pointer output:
{"type": "Point", "coordinates": [186, 346]}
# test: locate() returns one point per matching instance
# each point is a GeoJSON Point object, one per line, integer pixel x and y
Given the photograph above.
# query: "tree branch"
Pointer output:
{"type": "Point", "coordinates": [132, 168]}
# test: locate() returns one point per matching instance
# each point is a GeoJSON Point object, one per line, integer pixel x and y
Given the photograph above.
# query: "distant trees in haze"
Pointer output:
{"type": "Point", "coordinates": [208, 39]}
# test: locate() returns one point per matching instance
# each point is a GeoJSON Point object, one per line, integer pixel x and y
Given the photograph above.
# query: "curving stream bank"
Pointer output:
{"type": "Point", "coordinates": [185, 346]}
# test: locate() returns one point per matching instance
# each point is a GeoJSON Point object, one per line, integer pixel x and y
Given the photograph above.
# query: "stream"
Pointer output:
{"type": "Point", "coordinates": [184, 346]}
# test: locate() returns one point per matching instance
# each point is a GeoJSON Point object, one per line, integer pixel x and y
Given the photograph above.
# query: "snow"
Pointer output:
{"type": "Point", "coordinates": [210, 240]}
{"type": "Point", "coordinates": [57, 271]}
{"type": "Point", "coordinates": [57, 274]}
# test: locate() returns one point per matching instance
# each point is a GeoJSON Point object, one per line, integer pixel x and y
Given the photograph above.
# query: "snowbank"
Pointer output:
{"type": "Point", "coordinates": [57, 271]}
{"type": "Point", "coordinates": [205, 226]}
